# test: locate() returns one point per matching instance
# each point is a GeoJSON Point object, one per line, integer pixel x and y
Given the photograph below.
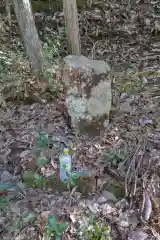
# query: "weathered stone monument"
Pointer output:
{"type": "Point", "coordinates": [88, 93]}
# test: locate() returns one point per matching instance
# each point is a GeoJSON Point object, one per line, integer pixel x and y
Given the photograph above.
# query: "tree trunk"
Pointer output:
{"type": "Point", "coordinates": [8, 12]}
{"type": "Point", "coordinates": [71, 18]}
{"type": "Point", "coordinates": [29, 33]}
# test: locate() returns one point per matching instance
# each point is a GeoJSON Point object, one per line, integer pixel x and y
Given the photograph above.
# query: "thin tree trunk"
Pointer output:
{"type": "Point", "coordinates": [8, 12]}
{"type": "Point", "coordinates": [71, 18]}
{"type": "Point", "coordinates": [29, 33]}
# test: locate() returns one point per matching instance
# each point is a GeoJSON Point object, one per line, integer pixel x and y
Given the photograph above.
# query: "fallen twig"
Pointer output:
{"type": "Point", "coordinates": [129, 168]}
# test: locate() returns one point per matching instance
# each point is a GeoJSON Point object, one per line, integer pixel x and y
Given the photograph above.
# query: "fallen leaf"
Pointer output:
{"type": "Point", "coordinates": [128, 218]}
{"type": "Point", "coordinates": [147, 208]}
{"type": "Point", "coordinates": [122, 204]}
{"type": "Point", "coordinates": [107, 209]}
{"type": "Point", "coordinates": [144, 122]}
{"type": "Point", "coordinates": [101, 199]}
{"type": "Point", "coordinates": [82, 203]}
{"type": "Point", "coordinates": [108, 196]}
{"type": "Point", "coordinates": [93, 206]}
{"type": "Point", "coordinates": [137, 235]}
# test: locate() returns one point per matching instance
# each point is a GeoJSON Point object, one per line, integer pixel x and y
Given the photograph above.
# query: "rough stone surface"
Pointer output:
{"type": "Point", "coordinates": [88, 93]}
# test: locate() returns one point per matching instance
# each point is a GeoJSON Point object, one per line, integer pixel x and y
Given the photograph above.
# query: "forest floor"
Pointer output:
{"type": "Point", "coordinates": [120, 196]}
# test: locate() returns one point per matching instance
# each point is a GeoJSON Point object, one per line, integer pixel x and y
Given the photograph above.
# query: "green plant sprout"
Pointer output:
{"type": "Point", "coordinates": [98, 231]}
{"type": "Point", "coordinates": [56, 91]}
{"type": "Point", "coordinates": [33, 178]}
{"type": "Point", "coordinates": [113, 158]}
{"type": "Point", "coordinates": [39, 180]}
{"type": "Point", "coordinates": [53, 88]}
{"type": "Point", "coordinates": [52, 49]}
{"type": "Point", "coordinates": [55, 229]}
{"type": "Point", "coordinates": [92, 229]}
{"type": "Point", "coordinates": [72, 178]}
{"type": "Point", "coordinates": [42, 141]}
{"type": "Point", "coordinates": [48, 75]}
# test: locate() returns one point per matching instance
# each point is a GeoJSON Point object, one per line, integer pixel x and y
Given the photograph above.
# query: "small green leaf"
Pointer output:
{"type": "Point", "coordinates": [74, 176]}
{"type": "Point", "coordinates": [52, 223]}
{"type": "Point", "coordinates": [28, 176]}
{"type": "Point", "coordinates": [37, 176]}
{"type": "Point", "coordinates": [39, 180]}
{"type": "Point", "coordinates": [62, 227]}
{"type": "Point", "coordinates": [40, 162]}
{"type": "Point", "coordinates": [57, 91]}
{"type": "Point", "coordinates": [73, 182]}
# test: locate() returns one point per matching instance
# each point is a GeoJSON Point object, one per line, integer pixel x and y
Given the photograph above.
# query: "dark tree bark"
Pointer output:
{"type": "Point", "coordinates": [29, 33]}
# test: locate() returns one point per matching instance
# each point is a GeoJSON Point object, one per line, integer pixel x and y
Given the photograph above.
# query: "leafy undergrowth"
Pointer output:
{"type": "Point", "coordinates": [16, 81]}
{"type": "Point", "coordinates": [119, 198]}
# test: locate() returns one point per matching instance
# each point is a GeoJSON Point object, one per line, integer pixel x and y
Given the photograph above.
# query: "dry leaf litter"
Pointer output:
{"type": "Point", "coordinates": [126, 35]}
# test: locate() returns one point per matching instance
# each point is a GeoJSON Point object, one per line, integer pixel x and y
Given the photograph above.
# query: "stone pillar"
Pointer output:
{"type": "Point", "coordinates": [88, 93]}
